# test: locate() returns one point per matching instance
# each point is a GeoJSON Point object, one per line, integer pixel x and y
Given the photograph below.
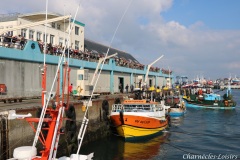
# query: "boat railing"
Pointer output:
{"type": "Point", "coordinates": [136, 108]}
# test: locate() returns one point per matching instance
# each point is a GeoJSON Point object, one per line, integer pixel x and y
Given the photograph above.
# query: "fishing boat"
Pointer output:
{"type": "Point", "coordinates": [139, 118]}
{"type": "Point", "coordinates": [177, 110]}
{"type": "Point", "coordinates": [176, 106]}
{"type": "Point", "coordinates": [206, 98]}
{"type": "Point", "coordinates": [48, 126]}
{"type": "Point", "coordinates": [235, 81]}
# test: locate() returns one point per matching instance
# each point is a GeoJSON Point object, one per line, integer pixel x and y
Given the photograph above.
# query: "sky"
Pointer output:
{"type": "Point", "coordinates": [198, 38]}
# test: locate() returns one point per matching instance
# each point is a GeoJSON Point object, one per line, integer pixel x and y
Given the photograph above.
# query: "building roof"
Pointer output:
{"type": "Point", "coordinates": [8, 17]}
{"type": "Point", "coordinates": [39, 16]}
{"type": "Point", "coordinates": [100, 48]}
{"type": "Point", "coordinates": [33, 17]}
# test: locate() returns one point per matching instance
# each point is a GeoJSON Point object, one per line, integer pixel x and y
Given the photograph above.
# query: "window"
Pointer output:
{"type": "Point", "coordinates": [86, 75]}
{"type": "Point", "coordinates": [53, 25]}
{"type": "Point", "coordinates": [31, 34]}
{"type": "Point", "coordinates": [44, 38]}
{"type": "Point", "coordinates": [76, 30]}
{"type": "Point", "coordinates": [51, 39]}
{"type": "Point", "coordinates": [60, 41]}
{"type": "Point", "coordinates": [23, 33]}
{"type": "Point", "coordinates": [77, 45]}
{"type": "Point", "coordinates": [39, 36]}
{"type": "Point", "coordinates": [58, 26]}
{"type": "Point", "coordinates": [10, 33]}
{"type": "Point", "coordinates": [66, 42]}
{"type": "Point", "coordinates": [80, 77]}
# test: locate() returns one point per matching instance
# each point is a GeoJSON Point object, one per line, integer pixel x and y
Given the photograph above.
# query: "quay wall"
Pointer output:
{"type": "Point", "coordinates": [23, 78]}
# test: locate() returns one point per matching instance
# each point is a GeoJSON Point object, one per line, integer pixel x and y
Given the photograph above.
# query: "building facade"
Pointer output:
{"type": "Point", "coordinates": [57, 32]}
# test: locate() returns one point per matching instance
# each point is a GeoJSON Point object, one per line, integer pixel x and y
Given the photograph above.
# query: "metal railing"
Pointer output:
{"type": "Point", "coordinates": [136, 108]}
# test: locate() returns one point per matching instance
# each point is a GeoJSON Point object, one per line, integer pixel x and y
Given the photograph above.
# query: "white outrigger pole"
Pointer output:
{"type": "Point", "coordinates": [98, 65]}
{"type": "Point", "coordinates": [148, 68]}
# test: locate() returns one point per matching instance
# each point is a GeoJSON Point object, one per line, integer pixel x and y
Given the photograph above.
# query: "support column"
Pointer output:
{"type": "Point", "coordinates": [111, 82]}
{"type": "Point", "coordinates": [131, 79]}
{"type": "Point", "coordinates": [156, 80]}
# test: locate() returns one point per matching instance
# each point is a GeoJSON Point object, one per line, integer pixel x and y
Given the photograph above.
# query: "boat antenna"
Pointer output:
{"type": "Point", "coordinates": [85, 120]}
{"type": "Point", "coordinates": [45, 32]}
{"type": "Point", "coordinates": [43, 76]}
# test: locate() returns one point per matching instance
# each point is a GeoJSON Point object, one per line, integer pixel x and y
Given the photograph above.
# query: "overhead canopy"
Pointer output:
{"type": "Point", "coordinates": [34, 24]}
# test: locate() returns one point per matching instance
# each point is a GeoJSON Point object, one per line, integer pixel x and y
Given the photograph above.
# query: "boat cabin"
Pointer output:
{"type": "Point", "coordinates": [212, 97]}
{"type": "Point", "coordinates": [137, 106]}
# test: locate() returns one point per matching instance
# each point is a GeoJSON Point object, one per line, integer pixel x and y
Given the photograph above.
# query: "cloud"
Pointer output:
{"type": "Point", "coordinates": [143, 32]}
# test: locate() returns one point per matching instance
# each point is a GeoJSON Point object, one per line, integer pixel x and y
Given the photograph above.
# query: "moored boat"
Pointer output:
{"type": "Point", "coordinates": [176, 106]}
{"type": "Point", "coordinates": [136, 118]}
{"type": "Point", "coordinates": [177, 110]}
{"type": "Point", "coordinates": [210, 100]}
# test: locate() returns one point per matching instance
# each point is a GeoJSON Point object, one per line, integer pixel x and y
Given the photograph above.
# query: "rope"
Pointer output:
{"type": "Point", "coordinates": [87, 106]}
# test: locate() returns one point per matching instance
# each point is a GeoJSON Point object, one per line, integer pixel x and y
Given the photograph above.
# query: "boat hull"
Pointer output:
{"type": "Point", "coordinates": [176, 112]}
{"type": "Point", "coordinates": [212, 105]}
{"type": "Point", "coordinates": [134, 127]}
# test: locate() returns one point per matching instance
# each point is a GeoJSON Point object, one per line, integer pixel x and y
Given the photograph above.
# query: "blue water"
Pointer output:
{"type": "Point", "coordinates": [204, 132]}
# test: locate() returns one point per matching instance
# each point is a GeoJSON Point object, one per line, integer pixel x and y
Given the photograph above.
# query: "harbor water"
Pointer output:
{"type": "Point", "coordinates": [200, 134]}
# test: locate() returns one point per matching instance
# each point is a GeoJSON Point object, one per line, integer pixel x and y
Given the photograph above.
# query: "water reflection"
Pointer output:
{"type": "Point", "coordinates": [146, 149]}
{"type": "Point", "coordinates": [177, 121]}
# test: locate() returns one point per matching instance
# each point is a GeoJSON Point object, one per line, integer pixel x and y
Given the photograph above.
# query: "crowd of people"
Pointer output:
{"type": "Point", "coordinates": [92, 56]}
{"type": "Point", "coordinates": [12, 41]}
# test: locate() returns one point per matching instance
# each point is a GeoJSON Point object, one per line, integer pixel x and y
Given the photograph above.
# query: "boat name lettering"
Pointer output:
{"type": "Point", "coordinates": [144, 122]}
{"type": "Point", "coordinates": [135, 101]}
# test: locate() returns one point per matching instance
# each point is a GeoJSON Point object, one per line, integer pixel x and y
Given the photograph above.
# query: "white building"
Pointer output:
{"type": "Point", "coordinates": [57, 32]}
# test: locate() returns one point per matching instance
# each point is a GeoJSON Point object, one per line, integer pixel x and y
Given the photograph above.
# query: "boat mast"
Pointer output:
{"type": "Point", "coordinates": [43, 84]}
{"type": "Point", "coordinates": [56, 113]}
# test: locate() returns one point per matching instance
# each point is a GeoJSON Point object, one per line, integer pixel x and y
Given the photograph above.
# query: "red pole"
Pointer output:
{"type": "Point", "coordinates": [44, 79]}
